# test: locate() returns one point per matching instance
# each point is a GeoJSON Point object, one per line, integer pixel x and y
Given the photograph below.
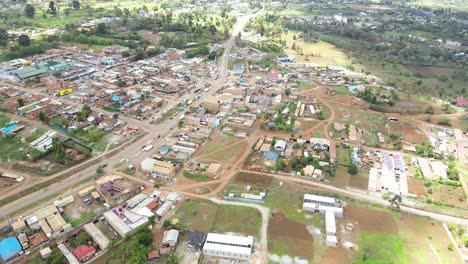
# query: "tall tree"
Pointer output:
{"type": "Point", "coordinates": [76, 4]}
{"type": "Point", "coordinates": [52, 8]}
{"type": "Point", "coordinates": [101, 29]}
{"type": "Point", "coordinates": [3, 37]}
{"type": "Point", "coordinates": [29, 11]}
{"type": "Point", "coordinates": [24, 40]}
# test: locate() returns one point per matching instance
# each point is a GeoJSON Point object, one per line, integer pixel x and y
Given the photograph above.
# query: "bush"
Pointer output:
{"type": "Point", "coordinates": [352, 169]}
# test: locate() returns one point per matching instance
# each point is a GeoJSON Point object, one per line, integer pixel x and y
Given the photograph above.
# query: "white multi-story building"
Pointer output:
{"type": "Point", "coordinates": [228, 246]}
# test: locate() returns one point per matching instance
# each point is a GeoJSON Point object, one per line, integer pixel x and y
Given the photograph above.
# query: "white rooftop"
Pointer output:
{"type": "Point", "coordinates": [318, 198]}
{"type": "Point", "coordinates": [229, 243]}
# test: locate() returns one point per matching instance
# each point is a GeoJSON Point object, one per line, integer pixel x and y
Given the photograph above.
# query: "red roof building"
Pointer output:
{"type": "Point", "coordinates": [84, 252]}
{"type": "Point", "coordinates": [273, 75]}
{"type": "Point", "coordinates": [461, 102]}
{"type": "Point", "coordinates": [153, 255]}
{"type": "Point", "coordinates": [152, 205]}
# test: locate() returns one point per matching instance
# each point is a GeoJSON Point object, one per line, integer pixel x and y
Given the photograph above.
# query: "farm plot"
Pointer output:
{"type": "Point", "coordinates": [208, 217]}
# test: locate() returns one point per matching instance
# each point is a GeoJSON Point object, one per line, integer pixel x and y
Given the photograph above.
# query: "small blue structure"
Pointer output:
{"type": "Point", "coordinates": [336, 68]}
{"type": "Point", "coordinates": [9, 128]}
{"type": "Point", "coordinates": [271, 124]}
{"type": "Point", "coordinates": [353, 88]}
{"type": "Point", "coordinates": [9, 248]}
{"type": "Point", "coordinates": [115, 98]}
{"type": "Point", "coordinates": [163, 150]}
{"type": "Point", "coordinates": [270, 155]}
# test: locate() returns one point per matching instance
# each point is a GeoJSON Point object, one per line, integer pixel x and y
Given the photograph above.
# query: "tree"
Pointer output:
{"type": "Point", "coordinates": [99, 170]}
{"type": "Point", "coordinates": [352, 169]}
{"type": "Point", "coordinates": [121, 83]}
{"type": "Point", "coordinates": [288, 91]}
{"type": "Point", "coordinates": [3, 37]}
{"type": "Point", "coordinates": [144, 237]}
{"type": "Point", "coordinates": [397, 144]}
{"type": "Point", "coordinates": [52, 8]}
{"type": "Point", "coordinates": [166, 223]}
{"type": "Point", "coordinates": [94, 134]}
{"type": "Point", "coordinates": [76, 4]}
{"type": "Point", "coordinates": [43, 117]}
{"type": "Point", "coordinates": [430, 110]}
{"type": "Point", "coordinates": [24, 40]}
{"type": "Point", "coordinates": [56, 257]}
{"type": "Point", "coordinates": [101, 28]}
{"type": "Point", "coordinates": [20, 102]}
{"type": "Point", "coordinates": [29, 11]}
{"type": "Point", "coordinates": [151, 220]}
{"type": "Point", "coordinates": [172, 259]}
{"type": "Point", "coordinates": [212, 29]}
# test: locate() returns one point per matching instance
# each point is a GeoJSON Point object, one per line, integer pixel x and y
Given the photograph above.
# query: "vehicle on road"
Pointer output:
{"type": "Point", "coordinates": [148, 148]}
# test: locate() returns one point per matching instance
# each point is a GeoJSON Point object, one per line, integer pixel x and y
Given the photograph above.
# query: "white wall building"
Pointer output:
{"type": "Point", "coordinates": [228, 246]}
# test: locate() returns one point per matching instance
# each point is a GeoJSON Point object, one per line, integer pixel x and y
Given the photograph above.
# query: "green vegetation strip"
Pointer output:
{"type": "Point", "coordinates": [196, 177]}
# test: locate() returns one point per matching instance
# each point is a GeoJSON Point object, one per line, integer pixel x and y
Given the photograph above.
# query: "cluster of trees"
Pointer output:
{"type": "Point", "coordinates": [59, 149]}
{"type": "Point", "coordinates": [136, 248]}
{"type": "Point", "coordinates": [425, 149]}
{"type": "Point", "coordinates": [85, 112]}
{"type": "Point", "coordinates": [453, 173]}
{"type": "Point", "coordinates": [374, 97]}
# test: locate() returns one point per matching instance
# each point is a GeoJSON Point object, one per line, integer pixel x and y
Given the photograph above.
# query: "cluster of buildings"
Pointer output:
{"type": "Point", "coordinates": [448, 141]}
{"type": "Point", "coordinates": [389, 174]}
{"type": "Point", "coordinates": [320, 148]}
{"type": "Point", "coordinates": [328, 206]}
{"type": "Point", "coordinates": [105, 79]}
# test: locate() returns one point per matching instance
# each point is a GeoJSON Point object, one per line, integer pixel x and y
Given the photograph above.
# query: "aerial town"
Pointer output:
{"type": "Point", "coordinates": [230, 131]}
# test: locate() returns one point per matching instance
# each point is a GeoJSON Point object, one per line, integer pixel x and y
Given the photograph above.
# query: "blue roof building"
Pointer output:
{"type": "Point", "coordinates": [9, 248]}
{"type": "Point", "coordinates": [9, 128]}
{"type": "Point", "coordinates": [353, 88]}
{"type": "Point", "coordinates": [270, 155]}
{"type": "Point", "coordinates": [163, 150]}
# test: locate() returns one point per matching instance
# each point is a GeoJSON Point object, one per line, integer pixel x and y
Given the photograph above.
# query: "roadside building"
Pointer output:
{"type": "Point", "coordinates": [118, 224]}
{"type": "Point", "coordinates": [98, 237]}
{"type": "Point", "coordinates": [45, 252]}
{"type": "Point", "coordinates": [170, 238]}
{"type": "Point", "coordinates": [228, 246]}
{"type": "Point", "coordinates": [213, 170]}
{"type": "Point", "coordinates": [68, 255]}
{"type": "Point", "coordinates": [84, 252]}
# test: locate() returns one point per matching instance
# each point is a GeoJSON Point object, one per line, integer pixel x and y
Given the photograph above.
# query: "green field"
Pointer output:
{"type": "Point", "coordinates": [196, 177]}
{"type": "Point", "coordinates": [208, 217]}
{"type": "Point", "coordinates": [4, 121]}
{"type": "Point", "coordinates": [381, 248]}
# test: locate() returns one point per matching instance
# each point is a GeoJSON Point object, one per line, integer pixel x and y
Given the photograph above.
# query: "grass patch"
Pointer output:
{"type": "Point", "coordinates": [381, 248]}
{"type": "Point", "coordinates": [288, 199]}
{"type": "Point", "coordinates": [305, 86]}
{"type": "Point", "coordinates": [39, 132]}
{"type": "Point", "coordinates": [210, 217]}
{"type": "Point", "coordinates": [196, 177]}
{"type": "Point", "coordinates": [83, 218]}
{"type": "Point", "coordinates": [4, 121]}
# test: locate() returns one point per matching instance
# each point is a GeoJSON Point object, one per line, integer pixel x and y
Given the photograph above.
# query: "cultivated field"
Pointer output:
{"type": "Point", "coordinates": [208, 217]}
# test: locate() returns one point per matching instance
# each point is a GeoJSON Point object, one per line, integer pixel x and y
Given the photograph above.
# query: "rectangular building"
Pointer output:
{"type": "Point", "coordinates": [98, 237]}
{"type": "Point", "coordinates": [68, 255]}
{"type": "Point", "coordinates": [118, 224]}
{"type": "Point", "coordinates": [228, 246]}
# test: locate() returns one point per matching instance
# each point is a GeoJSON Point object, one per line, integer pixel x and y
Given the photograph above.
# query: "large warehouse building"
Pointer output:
{"type": "Point", "coordinates": [228, 246]}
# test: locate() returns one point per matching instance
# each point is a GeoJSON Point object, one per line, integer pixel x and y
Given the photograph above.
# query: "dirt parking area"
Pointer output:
{"type": "Point", "coordinates": [78, 207]}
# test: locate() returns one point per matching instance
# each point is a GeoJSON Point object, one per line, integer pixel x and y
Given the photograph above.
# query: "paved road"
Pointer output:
{"type": "Point", "coordinates": [133, 152]}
